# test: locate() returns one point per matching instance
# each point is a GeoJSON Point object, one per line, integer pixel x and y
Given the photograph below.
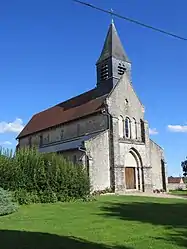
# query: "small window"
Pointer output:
{"type": "Point", "coordinates": [136, 129]}
{"type": "Point", "coordinates": [87, 165]}
{"type": "Point", "coordinates": [126, 102]}
{"type": "Point", "coordinates": [41, 140]}
{"type": "Point", "coordinates": [62, 134]}
{"type": "Point", "coordinates": [127, 128]}
{"type": "Point", "coordinates": [142, 130]}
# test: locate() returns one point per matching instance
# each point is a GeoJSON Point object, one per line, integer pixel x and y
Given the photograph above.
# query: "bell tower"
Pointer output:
{"type": "Point", "coordinates": [113, 61]}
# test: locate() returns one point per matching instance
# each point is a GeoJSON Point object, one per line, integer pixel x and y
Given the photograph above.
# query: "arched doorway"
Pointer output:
{"type": "Point", "coordinates": [133, 164]}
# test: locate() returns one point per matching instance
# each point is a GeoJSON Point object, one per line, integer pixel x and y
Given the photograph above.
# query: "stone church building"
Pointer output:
{"type": "Point", "coordinates": [103, 128]}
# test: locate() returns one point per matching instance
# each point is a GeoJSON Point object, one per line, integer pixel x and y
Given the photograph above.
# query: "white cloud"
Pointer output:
{"type": "Point", "coordinates": [16, 126]}
{"type": "Point", "coordinates": [177, 128]}
{"type": "Point", "coordinates": [6, 143]}
{"type": "Point", "coordinates": [153, 131]}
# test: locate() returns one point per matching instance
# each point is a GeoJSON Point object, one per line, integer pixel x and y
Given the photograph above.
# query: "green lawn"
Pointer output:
{"type": "Point", "coordinates": [179, 192]}
{"type": "Point", "coordinates": [117, 222]}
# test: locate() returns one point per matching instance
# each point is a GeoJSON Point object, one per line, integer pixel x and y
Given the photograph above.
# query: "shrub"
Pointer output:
{"type": "Point", "coordinates": [23, 197]}
{"type": "Point", "coordinates": [48, 196]}
{"type": "Point", "coordinates": [179, 189]}
{"type": "Point", "coordinates": [35, 177]}
{"type": "Point", "coordinates": [7, 206]}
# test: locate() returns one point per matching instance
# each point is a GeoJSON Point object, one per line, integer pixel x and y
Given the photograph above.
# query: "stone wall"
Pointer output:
{"type": "Point", "coordinates": [123, 101]}
{"type": "Point", "coordinates": [156, 155]}
{"type": "Point", "coordinates": [176, 186]}
{"type": "Point", "coordinates": [23, 142]}
{"type": "Point", "coordinates": [67, 131]}
{"type": "Point", "coordinates": [99, 166]}
{"type": "Point", "coordinates": [139, 151]}
{"type": "Point", "coordinates": [73, 155]}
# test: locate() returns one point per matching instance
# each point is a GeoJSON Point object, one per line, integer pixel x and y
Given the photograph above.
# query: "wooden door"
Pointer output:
{"type": "Point", "coordinates": [130, 178]}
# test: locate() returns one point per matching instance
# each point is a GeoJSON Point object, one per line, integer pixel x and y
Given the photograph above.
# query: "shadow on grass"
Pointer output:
{"type": "Point", "coordinates": [179, 238]}
{"type": "Point", "coordinates": [35, 240]}
{"type": "Point", "coordinates": [172, 216]}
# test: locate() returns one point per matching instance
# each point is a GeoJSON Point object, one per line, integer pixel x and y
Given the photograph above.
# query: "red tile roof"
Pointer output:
{"type": "Point", "coordinates": [176, 180]}
{"type": "Point", "coordinates": [75, 108]}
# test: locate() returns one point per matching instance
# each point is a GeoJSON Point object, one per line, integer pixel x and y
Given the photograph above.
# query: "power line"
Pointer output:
{"type": "Point", "coordinates": [131, 20]}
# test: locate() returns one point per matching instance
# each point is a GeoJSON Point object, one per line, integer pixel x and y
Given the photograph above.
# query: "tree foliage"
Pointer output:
{"type": "Point", "coordinates": [7, 206]}
{"type": "Point", "coordinates": [184, 167]}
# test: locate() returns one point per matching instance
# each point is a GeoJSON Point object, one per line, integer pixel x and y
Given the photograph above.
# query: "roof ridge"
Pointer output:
{"type": "Point", "coordinates": [56, 105]}
{"type": "Point", "coordinates": [80, 106]}
{"type": "Point", "coordinates": [77, 96]}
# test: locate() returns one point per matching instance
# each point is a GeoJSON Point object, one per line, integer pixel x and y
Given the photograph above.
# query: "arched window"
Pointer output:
{"type": "Point", "coordinates": [142, 130]}
{"type": "Point", "coordinates": [121, 126]}
{"type": "Point", "coordinates": [134, 128]}
{"type": "Point", "coordinates": [127, 127]}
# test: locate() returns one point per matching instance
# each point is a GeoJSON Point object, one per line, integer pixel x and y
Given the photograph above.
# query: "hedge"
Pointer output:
{"type": "Point", "coordinates": [42, 177]}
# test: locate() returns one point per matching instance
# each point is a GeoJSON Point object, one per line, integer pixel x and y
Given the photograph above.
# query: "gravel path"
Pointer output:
{"type": "Point", "coordinates": [161, 195]}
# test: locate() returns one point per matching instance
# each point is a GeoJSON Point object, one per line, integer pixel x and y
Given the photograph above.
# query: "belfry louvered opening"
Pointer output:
{"type": "Point", "coordinates": [104, 72]}
{"type": "Point", "coordinates": [121, 69]}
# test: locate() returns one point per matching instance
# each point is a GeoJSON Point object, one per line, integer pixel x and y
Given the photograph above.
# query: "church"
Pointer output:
{"type": "Point", "coordinates": [104, 129]}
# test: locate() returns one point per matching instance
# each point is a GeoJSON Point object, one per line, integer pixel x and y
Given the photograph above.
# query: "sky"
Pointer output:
{"type": "Point", "coordinates": [48, 51]}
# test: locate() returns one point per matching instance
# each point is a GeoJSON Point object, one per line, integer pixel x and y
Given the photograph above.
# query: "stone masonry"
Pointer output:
{"type": "Point", "coordinates": [110, 137]}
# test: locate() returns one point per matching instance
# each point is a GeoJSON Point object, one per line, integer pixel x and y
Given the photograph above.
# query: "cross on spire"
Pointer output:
{"type": "Point", "coordinates": [111, 12]}
{"type": "Point", "coordinates": [113, 61]}
{"type": "Point", "coordinates": [113, 46]}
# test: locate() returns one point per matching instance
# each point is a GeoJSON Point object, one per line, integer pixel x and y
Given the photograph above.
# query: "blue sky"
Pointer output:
{"type": "Point", "coordinates": [48, 51]}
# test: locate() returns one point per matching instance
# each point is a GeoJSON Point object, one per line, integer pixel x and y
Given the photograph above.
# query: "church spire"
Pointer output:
{"type": "Point", "coordinates": [113, 61]}
{"type": "Point", "coordinates": [112, 46]}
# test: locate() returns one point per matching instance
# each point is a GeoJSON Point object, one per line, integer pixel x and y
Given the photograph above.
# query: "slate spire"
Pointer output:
{"type": "Point", "coordinates": [113, 61]}
{"type": "Point", "coordinates": [112, 46]}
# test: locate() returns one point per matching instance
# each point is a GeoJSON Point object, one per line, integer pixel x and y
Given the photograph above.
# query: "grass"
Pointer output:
{"type": "Point", "coordinates": [179, 192]}
{"type": "Point", "coordinates": [117, 222]}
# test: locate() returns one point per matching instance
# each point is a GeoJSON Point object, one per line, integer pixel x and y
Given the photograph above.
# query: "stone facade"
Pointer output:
{"type": "Point", "coordinates": [158, 167]}
{"type": "Point", "coordinates": [97, 150]}
{"type": "Point", "coordinates": [113, 144]}
{"type": "Point", "coordinates": [122, 103]}
{"type": "Point", "coordinates": [62, 133]}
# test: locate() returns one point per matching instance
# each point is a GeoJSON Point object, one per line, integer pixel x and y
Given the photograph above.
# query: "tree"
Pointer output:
{"type": "Point", "coordinates": [184, 167]}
